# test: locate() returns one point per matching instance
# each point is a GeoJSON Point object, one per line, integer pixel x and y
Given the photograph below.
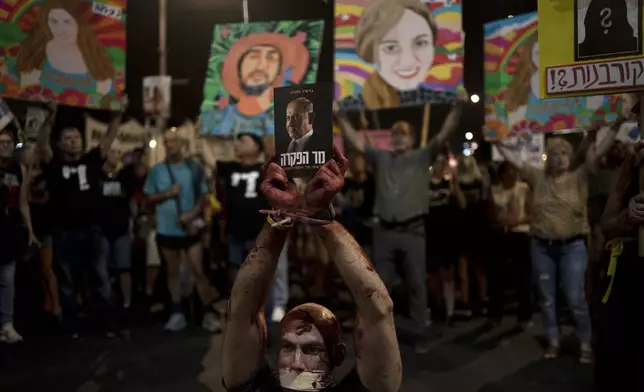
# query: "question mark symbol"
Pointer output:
{"type": "Point", "coordinates": [605, 13]}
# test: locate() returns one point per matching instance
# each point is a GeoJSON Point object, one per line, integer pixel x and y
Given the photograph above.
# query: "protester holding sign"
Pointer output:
{"type": "Point", "coordinates": [39, 204]}
{"type": "Point", "coordinates": [401, 206]}
{"type": "Point", "coordinates": [559, 228]}
{"type": "Point", "coordinates": [73, 182]}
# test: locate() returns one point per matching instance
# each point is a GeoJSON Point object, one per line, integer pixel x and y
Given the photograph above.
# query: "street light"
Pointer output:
{"type": "Point", "coordinates": [469, 136]}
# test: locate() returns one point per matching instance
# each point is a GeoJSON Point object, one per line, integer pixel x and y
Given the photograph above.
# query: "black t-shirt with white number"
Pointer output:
{"type": "Point", "coordinates": [267, 380]}
{"type": "Point", "coordinates": [74, 190]}
{"type": "Point", "coordinates": [116, 195]}
{"type": "Point", "coordinates": [243, 199]}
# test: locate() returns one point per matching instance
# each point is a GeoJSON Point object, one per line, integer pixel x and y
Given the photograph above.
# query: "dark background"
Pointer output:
{"type": "Point", "coordinates": [190, 24]}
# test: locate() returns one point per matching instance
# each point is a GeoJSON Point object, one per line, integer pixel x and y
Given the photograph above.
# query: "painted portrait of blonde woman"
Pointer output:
{"type": "Point", "coordinates": [522, 100]}
{"type": "Point", "coordinates": [62, 52]}
{"type": "Point", "coordinates": [398, 37]}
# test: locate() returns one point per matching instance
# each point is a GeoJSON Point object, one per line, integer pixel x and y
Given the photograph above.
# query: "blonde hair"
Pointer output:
{"type": "Point", "coordinates": [33, 53]}
{"type": "Point", "coordinates": [380, 17]}
{"type": "Point", "coordinates": [557, 143]}
{"type": "Point", "coordinates": [518, 92]}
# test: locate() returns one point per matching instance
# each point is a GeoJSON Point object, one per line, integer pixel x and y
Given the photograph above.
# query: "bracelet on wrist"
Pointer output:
{"type": "Point", "coordinates": [280, 225]}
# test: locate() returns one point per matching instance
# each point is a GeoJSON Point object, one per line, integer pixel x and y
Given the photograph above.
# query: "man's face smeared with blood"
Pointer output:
{"type": "Point", "coordinates": [310, 349]}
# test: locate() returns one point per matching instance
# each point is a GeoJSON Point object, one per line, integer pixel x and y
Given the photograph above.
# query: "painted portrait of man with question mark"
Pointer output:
{"type": "Point", "coordinates": [608, 28]}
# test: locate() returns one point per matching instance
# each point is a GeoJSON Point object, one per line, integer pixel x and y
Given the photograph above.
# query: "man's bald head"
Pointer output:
{"type": "Point", "coordinates": [310, 347]}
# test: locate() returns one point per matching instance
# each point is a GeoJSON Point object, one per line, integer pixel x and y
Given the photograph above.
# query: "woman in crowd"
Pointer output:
{"type": "Point", "coordinates": [559, 227]}
{"type": "Point", "coordinates": [511, 242]}
{"type": "Point", "coordinates": [41, 218]}
{"type": "Point", "coordinates": [445, 198]}
{"type": "Point", "coordinates": [473, 226]}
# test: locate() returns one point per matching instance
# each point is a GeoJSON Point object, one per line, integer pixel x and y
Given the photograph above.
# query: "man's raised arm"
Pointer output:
{"type": "Point", "coordinates": [450, 125]}
{"type": "Point", "coordinates": [347, 129]}
{"type": "Point", "coordinates": [245, 336]}
{"type": "Point", "coordinates": [377, 354]}
{"type": "Point", "coordinates": [43, 139]}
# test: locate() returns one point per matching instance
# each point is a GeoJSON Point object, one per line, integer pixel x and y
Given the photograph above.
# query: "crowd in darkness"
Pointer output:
{"type": "Point", "coordinates": [116, 239]}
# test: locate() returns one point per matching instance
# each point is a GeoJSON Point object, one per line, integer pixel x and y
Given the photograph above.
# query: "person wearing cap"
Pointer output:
{"type": "Point", "coordinates": [241, 222]}
{"type": "Point", "coordinates": [401, 206]}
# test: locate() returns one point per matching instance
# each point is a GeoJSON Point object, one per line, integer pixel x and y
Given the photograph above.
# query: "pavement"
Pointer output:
{"type": "Point", "coordinates": [464, 358]}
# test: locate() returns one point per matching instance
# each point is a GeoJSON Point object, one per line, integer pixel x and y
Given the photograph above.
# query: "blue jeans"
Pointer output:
{"type": "Point", "coordinates": [77, 252]}
{"type": "Point", "coordinates": [7, 291]}
{"type": "Point", "coordinates": [117, 252]}
{"type": "Point", "coordinates": [564, 263]}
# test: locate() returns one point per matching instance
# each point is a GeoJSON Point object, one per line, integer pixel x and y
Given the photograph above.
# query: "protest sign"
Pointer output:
{"type": "Point", "coordinates": [131, 135]}
{"type": "Point", "coordinates": [397, 53]}
{"type": "Point", "coordinates": [512, 103]}
{"type": "Point", "coordinates": [6, 115]}
{"type": "Point", "coordinates": [34, 120]}
{"type": "Point", "coordinates": [247, 60]}
{"type": "Point", "coordinates": [69, 51]}
{"type": "Point", "coordinates": [157, 92]}
{"type": "Point", "coordinates": [304, 128]}
{"type": "Point", "coordinates": [590, 47]}
{"type": "Point", "coordinates": [531, 149]}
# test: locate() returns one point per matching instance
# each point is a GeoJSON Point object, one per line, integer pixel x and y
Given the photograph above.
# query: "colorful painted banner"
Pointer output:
{"type": "Point", "coordinates": [378, 139]}
{"type": "Point", "coordinates": [590, 47]}
{"type": "Point", "coordinates": [512, 105]}
{"type": "Point", "coordinates": [397, 53]}
{"type": "Point", "coordinates": [69, 51]}
{"type": "Point", "coordinates": [246, 61]}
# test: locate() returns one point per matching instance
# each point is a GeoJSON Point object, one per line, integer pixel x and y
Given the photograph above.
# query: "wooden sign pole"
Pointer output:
{"type": "Point", "coordinates": [425, 131]}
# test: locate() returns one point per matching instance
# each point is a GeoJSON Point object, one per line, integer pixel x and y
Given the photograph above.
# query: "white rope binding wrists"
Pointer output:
{"type": "Point", "coordinates": [282, 223]}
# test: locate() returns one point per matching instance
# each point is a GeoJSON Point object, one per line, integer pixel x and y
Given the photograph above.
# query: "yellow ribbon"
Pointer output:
{"type": "Point", "coordinates": [616, 247]}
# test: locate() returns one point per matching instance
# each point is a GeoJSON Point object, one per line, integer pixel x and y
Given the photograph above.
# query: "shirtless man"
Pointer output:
{"type": "Point", "coordinates": [310, 348]}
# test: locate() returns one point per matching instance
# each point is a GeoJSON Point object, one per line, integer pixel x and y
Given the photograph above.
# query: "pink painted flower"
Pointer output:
{"type": "Point", "coordinates": [225, 32]}
{"type": "Point", "coordinates": [560, 122]}
{"type": "Point", "coordinates": [300, 37]}
{"type": "Point", "coordinates": [223, 102]}
{"type": "Point", "coordinates": [72, 97]}
{"type": "Point", "coordinates": [37, 93]}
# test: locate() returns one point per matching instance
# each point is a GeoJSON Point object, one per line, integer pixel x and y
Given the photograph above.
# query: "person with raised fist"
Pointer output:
{"type": "Point", "coordinates": [310, 347]}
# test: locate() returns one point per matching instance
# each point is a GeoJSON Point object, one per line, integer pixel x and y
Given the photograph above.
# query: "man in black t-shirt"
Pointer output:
{"type": "Point", "coordinates": [73, 182]}
{"type": "Point", "coordinates": [238, 191]}
{"type": "Point", "coordinates": [310, 348]}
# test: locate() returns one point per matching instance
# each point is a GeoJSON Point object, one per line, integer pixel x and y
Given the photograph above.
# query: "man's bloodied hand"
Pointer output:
{"type": "Point", "coordinates": [280, 193]}
{"type": "Point", "coordinates": [328, 181]}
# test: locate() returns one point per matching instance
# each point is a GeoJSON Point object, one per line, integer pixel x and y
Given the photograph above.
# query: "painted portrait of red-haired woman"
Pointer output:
{"type": "Point", "coordinates": [62, 52]}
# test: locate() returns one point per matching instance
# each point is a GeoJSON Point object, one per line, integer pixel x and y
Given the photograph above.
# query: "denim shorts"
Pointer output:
{"type": "Point", "coordinates": [118, 252]}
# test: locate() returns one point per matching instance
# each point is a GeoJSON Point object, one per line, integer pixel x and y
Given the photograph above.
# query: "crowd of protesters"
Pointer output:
{"type": "Point", "coordinates": [113, 238]}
